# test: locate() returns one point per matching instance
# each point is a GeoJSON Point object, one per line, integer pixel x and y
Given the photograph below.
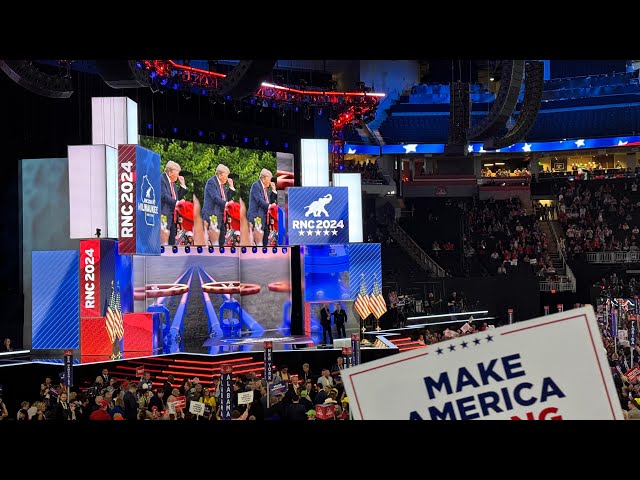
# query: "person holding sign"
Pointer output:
{"type": "Point", "coordinates": [209, 404]}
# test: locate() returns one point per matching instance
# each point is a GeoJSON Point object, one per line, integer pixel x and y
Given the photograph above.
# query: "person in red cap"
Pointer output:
{"type": "Point", "coordinates": [101, 412]}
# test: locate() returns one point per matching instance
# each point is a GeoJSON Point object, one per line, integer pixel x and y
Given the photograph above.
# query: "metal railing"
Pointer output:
{"type": "Point", "coordinates": [566, 283]}
{"type": "Point", "coordinates": [414, 250]}
{"type": "Point", "coordinates": [613, 257]}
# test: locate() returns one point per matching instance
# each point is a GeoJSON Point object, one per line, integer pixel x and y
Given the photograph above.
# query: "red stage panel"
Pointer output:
{"type": "Point", "coordinates": [141, 332]}
{"type": "Point", "coordinates": [94, 339]}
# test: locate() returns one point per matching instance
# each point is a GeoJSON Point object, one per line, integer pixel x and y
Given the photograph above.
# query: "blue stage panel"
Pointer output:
{"type": "Point", "coordinates": [55, 320]}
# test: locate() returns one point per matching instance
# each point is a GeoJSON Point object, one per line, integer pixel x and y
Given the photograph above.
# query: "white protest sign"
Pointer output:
{"type": "Point", "coordinates": [245, 397]}
{"type": "Point", "coordinates": [171, 407]}
{"type": "Point", "coordinates": [197, 408]}
{"type": "Point", "coordinates": [552, 367]}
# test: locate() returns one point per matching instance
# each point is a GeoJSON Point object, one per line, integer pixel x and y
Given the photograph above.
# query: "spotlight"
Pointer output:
{"type": "Point", "coordinates": [199, 249]}
{"type": "Point", "coordinates": [200, 133]}
{"type": "Point", "coordinates": [274, 250]}
{"type": "Point", "coordinates": [162, 249]}
{"type": "Point", "coordinates": [187, 249]}
{"type": "Point", "coordinates": [233, 249]}
{"type": "Point", "coordinates": [245, 139]}
{"type": "Point", "coordinates": [254, 250]}
{"type": "Point", "coordinates": [243, 249]}
{"type": "Point", "coordinates": [223, 136]}
{"type": "Point", "coordinates": [221, 250]}
{"type": "Point", "coordinates": [264, 249]}
{"type": "Point", "coordinates": [174, 249]}
{"type": "Point", "coordinates": [210, 249]}
{"type": "Point", "coordinates": [286, 145]}
{"type": "Point", "coordinates": [175, 129]}
{"type": "Point", "coordinates": [266, 143]}
{"type": "Point", "coordinates": [149, 126]}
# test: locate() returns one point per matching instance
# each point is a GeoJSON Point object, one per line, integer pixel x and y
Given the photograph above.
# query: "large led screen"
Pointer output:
{"type": "Point", "coordinates": [215, 295]}
{"type": "Point", "coordinates": [219, 177]}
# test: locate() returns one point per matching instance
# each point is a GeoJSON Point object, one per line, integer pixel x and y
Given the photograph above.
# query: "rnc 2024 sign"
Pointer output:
{"type": "Point", "coordinates": [318, 215]}
{"type": "Point", "coordinates": [548, 368]}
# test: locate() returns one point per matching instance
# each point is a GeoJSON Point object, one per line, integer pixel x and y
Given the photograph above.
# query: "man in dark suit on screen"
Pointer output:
{"type": "Point", "coordinates": [218, 191]}
{"type": "Point", "coordinates": [171, 193]}
{"type": "Point", "coordinates": [263, 193]}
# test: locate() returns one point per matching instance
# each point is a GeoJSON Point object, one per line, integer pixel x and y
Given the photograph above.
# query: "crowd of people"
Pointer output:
{"type": "Point", "coordinates": [505, 172]}
{"type": "Point", "coordinates": [369, 172]}
{"type": "Point", "coordinates": [504, 237]}
{"type": "Point", "coordinates": [599, 217]}
{"type": "Point", "coordinates": [111, 398]}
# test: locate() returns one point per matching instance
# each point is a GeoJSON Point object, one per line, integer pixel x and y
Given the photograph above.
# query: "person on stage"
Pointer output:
{"type": "Point", "coordinates": [339, 319]}
{"type": "Point", "coordinates": [218, 191]}
{"type": "Point", "coordinates": [171, 193]}
{"type": "Point", "coordinates": [262, 194]}
{"type": "Point", "coordinates": [325, 321]}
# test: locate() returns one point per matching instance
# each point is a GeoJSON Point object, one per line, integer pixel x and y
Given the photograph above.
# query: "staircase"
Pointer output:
{"type": "Point", "coordinates": [567, 281]}
{"type": "Point", "coordinates": [403, 239]}
{"type": "Point", "coordinates": [552, 248]}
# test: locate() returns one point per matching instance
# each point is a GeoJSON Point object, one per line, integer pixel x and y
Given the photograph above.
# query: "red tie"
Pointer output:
{"type": "Point", "coordinates": [173, 195]}
{"type": "Point", "coordinates": [222, 192]}
{"type": "Point", "coordinates": [266, 197]}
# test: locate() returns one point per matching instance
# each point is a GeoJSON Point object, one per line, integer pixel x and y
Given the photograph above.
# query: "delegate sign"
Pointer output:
{"type": "Point", "coordinates": [542, 369]}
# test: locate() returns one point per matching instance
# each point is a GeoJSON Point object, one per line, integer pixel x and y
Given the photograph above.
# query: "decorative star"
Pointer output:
{"type": "Point", "coordinates": [326, 232]}
{"type": "Point", "coordinates": [489, 338]}
{"type": "Point", "coordinates": [410, 148]}
{"type": "Point", "coordinates": [464, 344]}
{"type": "Point", "coordinates": [527, 147]}
{"type": "Point", "coordinates": [482, 150]}
{"type": "Point", "coordinates": [579, 143]}
{"type": "Point", "coordinates": [476, 341]}
{"type": "Point", "coordinates": [621, 143]}
{"type": "Point", "coordinates": [498, 150]}
{"type": "Point", "coordinates": [439, 351]}
{"type": "Point", "coordinates": [452, 348]}
{"type": "Point", "coordinates": [470, 148]}
{"type": "Point", "coordinates": [318, 233]}
{"type": "Point", "coordinates": [309, 232]}
{"type": "Point", "coordinates": [301, 233]}
{"type": "Point", "coordinates": [334, 232]}
{"type": "Point", "coordinates": [351, 151]}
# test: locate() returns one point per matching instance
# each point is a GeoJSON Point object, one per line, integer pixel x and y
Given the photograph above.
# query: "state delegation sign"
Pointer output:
{"type": "Point", "coordinates": [552, 367]}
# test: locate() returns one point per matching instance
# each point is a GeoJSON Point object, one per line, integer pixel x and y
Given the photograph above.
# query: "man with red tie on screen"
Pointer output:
{"type": "Point", "coordinates": [171, 193]}
{"type": "Point", "coordinates": [262, 194]}
{"type": "Point", "coordinates": [216, 197]}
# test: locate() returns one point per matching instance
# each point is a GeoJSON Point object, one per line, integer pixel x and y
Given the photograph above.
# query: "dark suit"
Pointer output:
{"type": "Point", "coordinates": [214, 204]}
{"type": "Point", "coordinates": [258, 205]}
{"type": "Point", "coordinates": [340, 318]}
{"type": "Point", "coordinates": [325, 321]}
{"type": "Point", "coordinates": [168, 203]}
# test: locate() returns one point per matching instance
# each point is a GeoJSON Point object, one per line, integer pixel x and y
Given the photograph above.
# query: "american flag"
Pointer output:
{"type": "Point", "coordinates": [362, 301]}
{"type": "Point", "coordinates": [114, 322]}
{"type": "Point", "coordinates": [376, 300]}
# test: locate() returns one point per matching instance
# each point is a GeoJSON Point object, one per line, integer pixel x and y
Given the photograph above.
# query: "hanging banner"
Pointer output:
{"type": "Point", "coordinates": [496, 374]}
{"type": "Point", "coordinates": [68, 369]}
{"type": "Point", "coordinates": [226, 391]}
{"type": "Point", "coordinates": [268, 361]}
{"type": "Point", "coordinates": [355, 346]}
